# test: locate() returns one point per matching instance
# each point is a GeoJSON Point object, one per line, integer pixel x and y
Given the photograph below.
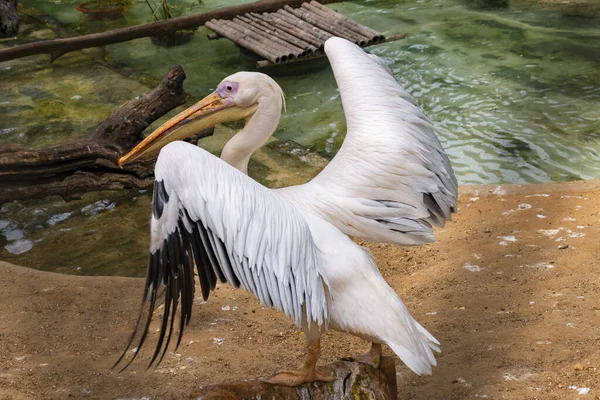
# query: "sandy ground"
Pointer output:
{"type": "Point", "coordinates": [511, 289]}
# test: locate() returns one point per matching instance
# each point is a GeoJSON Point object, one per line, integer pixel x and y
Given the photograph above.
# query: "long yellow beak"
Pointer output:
{"type": "Point", "coordinates": [185, 124]}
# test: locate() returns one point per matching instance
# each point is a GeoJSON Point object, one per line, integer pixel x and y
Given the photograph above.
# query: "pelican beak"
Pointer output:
{"type": "Point", "coordinates": [208, 112]}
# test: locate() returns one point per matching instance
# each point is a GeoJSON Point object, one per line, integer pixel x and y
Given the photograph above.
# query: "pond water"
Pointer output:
{"type": "Point", "coordinates": [514, 92]}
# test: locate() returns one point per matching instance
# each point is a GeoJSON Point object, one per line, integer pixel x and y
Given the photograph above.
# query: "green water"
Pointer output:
{"type": "Point", "coordinates": [514, 92]}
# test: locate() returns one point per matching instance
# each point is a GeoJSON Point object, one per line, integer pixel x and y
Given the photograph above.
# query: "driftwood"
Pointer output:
{"type": "Point", "coordinates": [90, 164]}
{"type": "Point", "coordinates": [58, 47]}
{"type": "Point", "coordinates": [9, 19]}
{"type": "Point", "coordinates": [353, 381]}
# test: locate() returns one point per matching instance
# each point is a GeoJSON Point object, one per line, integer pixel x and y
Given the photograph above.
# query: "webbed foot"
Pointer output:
{"type": "Point", "coordinates": [297, 378]}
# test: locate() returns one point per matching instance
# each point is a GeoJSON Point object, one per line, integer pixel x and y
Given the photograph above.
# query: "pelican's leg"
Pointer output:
{"type": "Point", "coordinates": [373, 357]}
{"type": "Point", "coordinates": [308, 373]}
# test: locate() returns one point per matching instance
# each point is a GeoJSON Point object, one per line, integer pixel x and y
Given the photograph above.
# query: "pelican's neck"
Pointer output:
{"type": "Point", "coordinates": [259, 128]}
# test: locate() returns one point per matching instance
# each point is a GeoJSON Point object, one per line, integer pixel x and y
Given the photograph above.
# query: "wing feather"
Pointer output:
{"type": "Point", "coordinates": [391, 180]}
{"type": "Point", "coordinates": [254, 238]}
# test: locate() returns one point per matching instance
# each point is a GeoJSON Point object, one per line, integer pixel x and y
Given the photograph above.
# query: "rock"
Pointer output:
{"type": "Point", "coordinates": [12, 233]}
{"type": "Point", "coordinates": [19, 246]}
{"type": "Point", "coordinates": [42, 34]}
{"type": "Point", "coordinates": [98, 207]}
{"type": "Point", "coordinates": [55, 219]}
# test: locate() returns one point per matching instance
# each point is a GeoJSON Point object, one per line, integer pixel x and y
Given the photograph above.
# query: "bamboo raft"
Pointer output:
{"type": "Point", "coordinates": [292, 34]}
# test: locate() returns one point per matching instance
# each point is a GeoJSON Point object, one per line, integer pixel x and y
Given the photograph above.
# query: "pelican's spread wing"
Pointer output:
{"type": "Point", "coordinates": [209, 215]}
{"type": "Point", "coordinates": [391, 179]}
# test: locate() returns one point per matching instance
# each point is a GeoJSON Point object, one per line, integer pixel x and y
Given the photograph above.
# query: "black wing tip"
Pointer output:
{"type": "Point", "coordinates": [160, 197]}
{"type": "Point", "coordinates": [172, 267]}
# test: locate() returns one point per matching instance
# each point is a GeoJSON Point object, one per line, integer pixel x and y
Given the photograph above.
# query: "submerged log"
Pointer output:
{"type": "Point", "coordinates": [9, 19]}
{"type": "Point", "coordinates": [74, 168]}
{"type": "Point", "coordinates": [58, 47]}
{"type": "Point", "coordinates": [353, 381]}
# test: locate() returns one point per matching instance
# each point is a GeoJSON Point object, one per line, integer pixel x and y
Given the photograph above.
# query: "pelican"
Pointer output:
{"type": "Point", "coordinates": [391, 181]}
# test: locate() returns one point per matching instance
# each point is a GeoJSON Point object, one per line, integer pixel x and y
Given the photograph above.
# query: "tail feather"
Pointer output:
{"type": "Point", "coordinates": [419, 364]}
{"type": "Point", "coordinates": [420, 358]}
{"type": "Point", "coordinates": [433, 343]}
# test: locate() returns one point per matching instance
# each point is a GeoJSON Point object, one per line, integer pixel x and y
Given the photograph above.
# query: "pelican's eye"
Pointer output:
{"type": "Point", "coordinates": [227, 89]}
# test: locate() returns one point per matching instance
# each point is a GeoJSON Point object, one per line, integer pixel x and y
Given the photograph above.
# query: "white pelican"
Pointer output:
{"type": "Point", "coordinates": [390, 181]}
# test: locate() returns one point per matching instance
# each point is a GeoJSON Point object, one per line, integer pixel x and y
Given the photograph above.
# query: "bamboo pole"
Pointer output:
{"type": "Point", "coordinates": [351, 24]}
{"type": "Point", "coordinates": [249, 24]}
{"type": "Point", "coordinates": [265, 42]}
{"type": "Point", "coordinates": [330, 19]}
{"type": "Point", "coordinates": [272, 30]}
{"type": "Point", "coordinates": [239, 39]}
{"type": "Point", "coordinates": [273, 19]}
{"type": "Point", "coordinates": [303, 25]}
{"type": "Point", "coordinates": [343, 22]}
{"type": "Point", "coordinates": [328, 26]}
{"type": "Point", "coordinates": [391, 38]}
{"type": "Point", "coordinates": [296, 51]}
{"type": "Point", "coordinates": [58, 47]}
{"type": "Point", "coordinates": [291, 29]}
{"type": "Point", "coordinates": [284, 55]}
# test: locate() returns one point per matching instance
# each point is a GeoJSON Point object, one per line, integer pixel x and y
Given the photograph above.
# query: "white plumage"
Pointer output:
{"type": "Point", "coordinates": [391, 178]}
{"type": "Point", "coordinates": [266, 240]}
{"type": "Point", "coordinates": [389, 182]}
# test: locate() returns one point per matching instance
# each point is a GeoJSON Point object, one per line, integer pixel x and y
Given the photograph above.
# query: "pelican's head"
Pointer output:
{"type": "Point", "coordinates": [237, 97]}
